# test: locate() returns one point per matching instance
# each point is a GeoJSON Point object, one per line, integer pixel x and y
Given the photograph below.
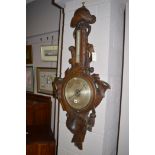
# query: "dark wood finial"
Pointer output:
{"type": "Point", "coordinates": [83, 3]}
{"type": "Point", "coordinates": [82, 14]}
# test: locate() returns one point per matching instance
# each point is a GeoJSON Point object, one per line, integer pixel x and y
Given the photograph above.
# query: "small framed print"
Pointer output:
{"type": "Point", "coordinates": [29, 79]}
{"type": "Point", "coordinates": [45, 77]}
{"type": "Point", "coordinates": [29, 59]}
{"type": "Point", "coordinates": [49, 53]}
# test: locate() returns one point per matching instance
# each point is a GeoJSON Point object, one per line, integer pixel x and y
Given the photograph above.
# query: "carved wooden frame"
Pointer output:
{"type": "Point", "coordinates": [79, 121]}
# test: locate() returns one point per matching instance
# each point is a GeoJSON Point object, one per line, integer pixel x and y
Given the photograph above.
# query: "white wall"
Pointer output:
{"type": "Point", "coordinates": [115, 78]}
{"type": "Point", "coordinates": [107, 38]}
{"type": "Point", "coordinates": [36, 44]}
{"type": "Point", "coordinates": [123, 147]}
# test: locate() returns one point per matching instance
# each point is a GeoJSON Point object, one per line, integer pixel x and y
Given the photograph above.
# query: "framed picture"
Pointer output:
{"type": "Point", "coordinates": [29, 79]}
{"type": "Point", "coordinates": [45, 77]}
{"type": "Point", "coordinates": [49, 53]}
{"type": "Point", "coordinates": [29, 54]}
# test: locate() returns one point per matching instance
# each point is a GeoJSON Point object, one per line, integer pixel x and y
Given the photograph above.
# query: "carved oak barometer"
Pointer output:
{"type": "Point", "coordinates": [80, 91]}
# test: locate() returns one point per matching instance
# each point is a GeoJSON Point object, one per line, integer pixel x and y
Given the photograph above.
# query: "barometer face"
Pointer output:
{"type": "Point", "coordinates": [78, 93]}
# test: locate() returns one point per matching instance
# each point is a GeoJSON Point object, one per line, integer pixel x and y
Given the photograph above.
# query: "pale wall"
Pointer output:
{"type": "Point", "coordinates": [115, 62]}
{"type": "Point", "coordinates": [123, 147]}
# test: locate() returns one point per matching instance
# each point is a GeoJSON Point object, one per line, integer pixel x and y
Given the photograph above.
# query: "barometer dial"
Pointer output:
{"type": "Point", "coordinates": [78, 93]}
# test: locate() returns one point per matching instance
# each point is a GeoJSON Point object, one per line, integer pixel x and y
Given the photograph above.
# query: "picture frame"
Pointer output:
{"type": "Point", "coordinates": [29, 79]}
{"type": "Point", "coordinates": [45, 77]}
{"type": "Point", "coordinates": [29, 57]}
{"type": "Point", "coordinates": [49, 53]}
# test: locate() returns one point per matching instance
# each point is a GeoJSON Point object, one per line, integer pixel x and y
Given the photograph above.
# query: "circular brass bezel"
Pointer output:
{"type": "Point", "coordinates": [90, 104]}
